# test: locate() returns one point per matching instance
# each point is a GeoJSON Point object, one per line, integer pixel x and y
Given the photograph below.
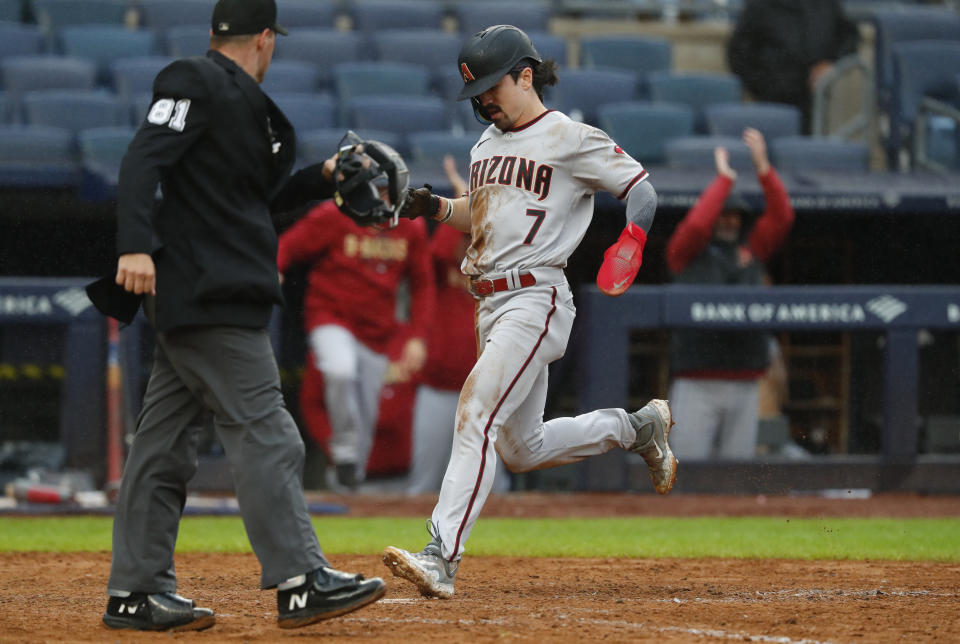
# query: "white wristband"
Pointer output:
{"type": "Point", "coordinates": [449, 212]}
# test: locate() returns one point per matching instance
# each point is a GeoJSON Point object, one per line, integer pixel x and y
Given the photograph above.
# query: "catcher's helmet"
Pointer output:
{"type": "Point", "coordinates": [490, 55]}
{"type": "Point", "coordinates": [358, 176]}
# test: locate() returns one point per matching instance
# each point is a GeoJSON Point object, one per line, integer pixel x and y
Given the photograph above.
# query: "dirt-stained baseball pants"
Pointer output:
{"type": "Point", "coordinates": [502, 402]}
{"type": "Point", "coordinates": [233, 372]}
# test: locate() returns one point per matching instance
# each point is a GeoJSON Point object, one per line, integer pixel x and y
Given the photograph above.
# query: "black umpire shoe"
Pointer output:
{"type": "Point", "coordinates": [326, 593]}
{"type": "Point", "coordinates": [157, 612]}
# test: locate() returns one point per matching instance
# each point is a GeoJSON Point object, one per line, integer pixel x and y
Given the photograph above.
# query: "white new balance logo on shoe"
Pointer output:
{"type": "Point", "coordinates": [298, 601]}
{"type": "Point", "coordinates": [130, 608]}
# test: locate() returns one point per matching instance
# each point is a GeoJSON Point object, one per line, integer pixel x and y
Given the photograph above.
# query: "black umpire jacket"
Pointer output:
{"type": "Point", "coordinates": [221, 151]}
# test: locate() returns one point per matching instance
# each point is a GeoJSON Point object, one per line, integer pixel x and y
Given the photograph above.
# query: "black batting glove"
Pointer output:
{"type": "Point", "coordinates": [420, 203]}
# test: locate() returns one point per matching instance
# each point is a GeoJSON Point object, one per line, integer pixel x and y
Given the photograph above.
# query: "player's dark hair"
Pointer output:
{"type": "Point", "coordinates": [544, 73]}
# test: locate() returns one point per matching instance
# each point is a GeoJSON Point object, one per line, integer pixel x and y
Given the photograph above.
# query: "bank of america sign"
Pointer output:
{"type": "Point", "coordinates": [885, 307]}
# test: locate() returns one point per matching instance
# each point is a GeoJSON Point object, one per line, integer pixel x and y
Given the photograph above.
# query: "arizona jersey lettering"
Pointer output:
{"type": "Point", "coordinates": [531, 191]}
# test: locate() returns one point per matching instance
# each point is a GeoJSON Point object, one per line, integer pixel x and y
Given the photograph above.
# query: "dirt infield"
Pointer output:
{"type": "Point", "coordinates": [46, 597]}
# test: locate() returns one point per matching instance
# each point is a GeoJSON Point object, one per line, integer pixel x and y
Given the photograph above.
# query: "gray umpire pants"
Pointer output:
{"type": "Point", "coordinates": [232, 372]}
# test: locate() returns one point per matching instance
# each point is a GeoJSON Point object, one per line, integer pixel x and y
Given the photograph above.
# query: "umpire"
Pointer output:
{"type": "Point", "coordinates": [204, 261]}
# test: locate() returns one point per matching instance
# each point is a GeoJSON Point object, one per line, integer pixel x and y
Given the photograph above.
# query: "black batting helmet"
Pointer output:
{"type": "Point", "coordinates": [361, 172]}
{"type": "Point", "coordinates": [490, 55]}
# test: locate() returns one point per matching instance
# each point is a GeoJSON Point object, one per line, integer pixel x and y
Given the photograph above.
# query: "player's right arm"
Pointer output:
{"type": "Point", "coordinates": [423, 203]}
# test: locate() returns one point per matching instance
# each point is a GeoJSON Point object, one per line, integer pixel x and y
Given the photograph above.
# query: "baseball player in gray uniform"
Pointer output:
{"type": "Point", "coordinates": [532, 178]}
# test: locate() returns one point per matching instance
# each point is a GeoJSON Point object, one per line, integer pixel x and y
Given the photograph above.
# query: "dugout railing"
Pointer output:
{"type": "Point", "coordinates": [898, 312]}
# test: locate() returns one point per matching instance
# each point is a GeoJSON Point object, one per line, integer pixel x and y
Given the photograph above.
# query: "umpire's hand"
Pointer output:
{"type": "Point", "coordinates": [137, 274]}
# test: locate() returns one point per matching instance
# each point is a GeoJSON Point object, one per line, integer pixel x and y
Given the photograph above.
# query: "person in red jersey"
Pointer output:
{"type": "Point", "coordinates": [350, 316]}
{"type": "Point", "coordinates": [716, 373]}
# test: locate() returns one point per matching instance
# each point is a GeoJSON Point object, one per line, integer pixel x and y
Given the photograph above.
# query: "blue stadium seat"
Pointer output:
{"type": "Point", "coordinates": [186, 40]}
{"type": "Point", "coordinates": [695, 90]}
{"type": "Point", "coordinates": [549, 46]}
{"type": "Point", "coordinates": [432, 48]}
{"type": "Point", "coordinates": [291, 76]}
{"type": "Point", "coordinates": [161, 15]}
{"type": "Point", "coordinates": [643, 129]}
{"type": "Point", "coordinates": [430, 147]}
{"type": "Point", "coordinates": [11, 10]}
{"type": "Point", "coordinates": [101, 151]}
{"type": "Point", "coordinates": [529, 15]}
{"type": "Point", "coordinates": [925, 70]}
{"type": "Point", "coordinates": [581, 91]}
{"type": "Point", "coordinates": [74, 110]}
{"type": "Point", "coordinates": [34, 156]}
{"type": "Point", "coordinates": [307, 14]}
{"type": "Point", "coordinates": [903, 25]}
{"type": "Point", "coordinates": [351, 80]}
{"type": "Point", "coordinates": [315, 146]}
{"type": "Point", "coordinates": [307, 111]}
{"type": "Point", "coordinates": [133, 76]}
{"type": "Point", "coordinates": [640, 54]}
{"type": "Point", "coordinates": [798, 153]}
{"type": "Point", "coordinates": [52, 15]}
{"type": "Point", "coordinates": [22, 74]}
{"type": "Point", "coordinates": [772, 119]}
{"type": "Point", "coordinates": [696, 153]}
{"type": "Point", "coordinates": [372, 16]}
{"type": "Point", "coordinates": [18, 39]}
{"type": "Point", "coordinates": [103, 44]}
{"type": "Point", "coordinates": [322, 47]}
{"type": "Point", "coordinates": [139, 105]}
{"type": "Point", "coordinates": [402, 115]}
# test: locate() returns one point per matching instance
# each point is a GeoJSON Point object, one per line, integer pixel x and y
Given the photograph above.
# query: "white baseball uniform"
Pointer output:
{"type": "Point", "coordinates": [531, 201]}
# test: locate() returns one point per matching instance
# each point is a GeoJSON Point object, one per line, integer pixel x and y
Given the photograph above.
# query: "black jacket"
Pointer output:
{"type": "Point", "coordinates": [221, 151]}
{"type": "Point", "coordinates": [776, 42]}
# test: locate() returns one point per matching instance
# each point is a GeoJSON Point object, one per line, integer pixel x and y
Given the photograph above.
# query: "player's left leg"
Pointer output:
{"type": "Point", "coordinates": [371, 369]}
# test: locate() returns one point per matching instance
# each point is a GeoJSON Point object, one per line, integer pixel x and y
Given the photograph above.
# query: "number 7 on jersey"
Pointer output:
{"type": "Point", "coordinates": [539, 214]}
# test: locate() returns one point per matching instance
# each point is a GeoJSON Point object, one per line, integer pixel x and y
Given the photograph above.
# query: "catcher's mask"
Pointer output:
{"type": "Point", "coordinates": [359, 175]}
{"type": "Point", "coordinates": [490, 55]}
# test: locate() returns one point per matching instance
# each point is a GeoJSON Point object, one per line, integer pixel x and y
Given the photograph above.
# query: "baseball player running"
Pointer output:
{"type": "Point", "coordinates": [533, 174]}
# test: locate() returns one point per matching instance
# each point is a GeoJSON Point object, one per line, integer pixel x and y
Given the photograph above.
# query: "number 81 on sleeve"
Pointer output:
{"type": "Point", "coordinates": [171, 113]}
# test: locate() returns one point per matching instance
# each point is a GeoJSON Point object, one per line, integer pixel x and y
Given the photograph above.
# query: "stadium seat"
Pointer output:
{"type": "Point", "coordinates": [133, 76]}
{"type": "Point", "coordinates": [315, 146]}
{"type": "Point", "coordinates": [11, 10]}
{"type": "Point", "coordinates": [139, 105]}
{"type": "Point", "coordinates": [695, 90]}
{"type": "Point", "coordinates": [34, 156]}
{"type": "Point", "coordinates": [52, 15]}
{"type": "Point", "coordinates": [696, 153]}
{"type": "Point", "coordinates": [772, 119]}
{"type": "Point", "coordinates": [430, 147]}
{"type": "Point", "coordinates": [74, 110]}
{"type": "Point", "coordinates": [322, 47]}
{"type": "Point", "coordinates": [307, 111]}
{"type": "Point", "coordinates": [643, 129]}
{"type": "Point", "coordinates": [351, 80]}
{"type": "Point", "coordinates": [581, 91]}
{"type": "Point", "coordinates": [550, 46]}
{"type": "Point", "coordinates": [797, 153]}
{"type": "Point", "coordinates": [6, 109]}
{"type": "Point", "coordinates": [101, 151]}
{"type": "Point", "coordinates": [372, 16]}
{"type": "Point", "coordinates": [529, 15]}
{"type": "Point", "coordinates": [307, 14]}
{"type": "Point", "coordinates": [161, 15]}
{"type": "Point", "coordinates": [401, 115]}
{"type": "Point", "coordinates": [291, 76]}
{"type": "Point", "coordinates": [186, 40]}
{"type": "Point", "coordinates": [103, 44]}
{"type": "Point", "coordinates": [21, 40]}
{"type": "Point", "coordinates": [22, 74]}
{"type": "Point", "coordinates": [925, 72]}
{"type": "Point", "coordinates": [432, 48]}
{"type": "Point", "coordinates": [642, 55]}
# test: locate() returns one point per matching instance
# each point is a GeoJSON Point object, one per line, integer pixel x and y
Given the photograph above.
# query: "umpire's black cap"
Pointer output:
{"type": "Point", "coordinates": [241, 17]}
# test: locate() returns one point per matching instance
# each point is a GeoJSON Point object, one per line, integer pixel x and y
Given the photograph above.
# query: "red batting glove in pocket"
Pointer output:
{"type": "Point", "coordinates": [622, 261]}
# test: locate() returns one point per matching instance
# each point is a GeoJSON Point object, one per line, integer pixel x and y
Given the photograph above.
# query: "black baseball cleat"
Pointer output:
{"type": "Point", "coordinates": [326, 593]}
{"type": "Point", "coordinates": [157, 612]}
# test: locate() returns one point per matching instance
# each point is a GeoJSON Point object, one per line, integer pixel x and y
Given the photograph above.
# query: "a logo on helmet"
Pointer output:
{"type": "Point", "coordinates": [466, 73]}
